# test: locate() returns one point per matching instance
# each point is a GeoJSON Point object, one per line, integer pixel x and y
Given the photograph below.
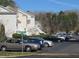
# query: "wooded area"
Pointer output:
{"type": "Point", "coordinates": [62, 21]}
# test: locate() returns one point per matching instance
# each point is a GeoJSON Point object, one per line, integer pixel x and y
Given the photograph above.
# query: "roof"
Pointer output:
{"type": "Point", "coordinates": [30, 13]}
{"type": "Point", "coordinates": [7, 9]}
{"type": "Point", "coordinates": [19, 10]}
{"type": "Point", "coordinates": [5, 13]}
{"type": "Point", "coordinates": [25, 13]}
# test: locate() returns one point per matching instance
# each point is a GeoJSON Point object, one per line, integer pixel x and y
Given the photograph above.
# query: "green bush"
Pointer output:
{"type": "Point", "coordinates": [41, 35]}
{"type": "Point", "coordinates": [2, 33]}
{"type": "Point", "coordinates": [15, 35]}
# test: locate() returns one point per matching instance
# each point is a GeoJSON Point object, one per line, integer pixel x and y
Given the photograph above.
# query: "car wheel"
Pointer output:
{"type": "Point", "coordinates": [3, 48]}
{"type": "Point", "coordinates": [46, 45]}
{"type": "Point", "coordinates": [28, 49]}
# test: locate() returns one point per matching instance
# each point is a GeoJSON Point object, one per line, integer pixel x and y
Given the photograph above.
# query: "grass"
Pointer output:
{"type": "Point", "coordinates": [14, 54]}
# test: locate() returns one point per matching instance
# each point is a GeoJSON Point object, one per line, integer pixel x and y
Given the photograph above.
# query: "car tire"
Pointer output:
{"type": "Point", "coordinates": [3, 48]}
{"type": "Point", "coordinates": [46, 45]}
{"type": "Point", "coordinates": [28, 49]}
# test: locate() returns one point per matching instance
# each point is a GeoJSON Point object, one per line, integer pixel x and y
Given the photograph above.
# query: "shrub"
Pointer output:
{"type": "Point", "coordinates": [15, 35]}
{"type": "Point", "coordinates": [41, 35]}
{"type": "Point", "coordinates": [2, 33]}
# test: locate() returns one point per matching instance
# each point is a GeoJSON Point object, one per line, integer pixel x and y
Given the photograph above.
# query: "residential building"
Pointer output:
{"type": "Point", "coordinates": [26, 22]}
{"type": "Point", "coordinates": [8, 19]}
{"type": "Point", "coordinates": [17, 21]}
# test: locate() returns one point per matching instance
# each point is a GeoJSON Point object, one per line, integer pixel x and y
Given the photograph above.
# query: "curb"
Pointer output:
{"type": "Point", "coordinates": [15, 56]}
{"type": "Point", "coordinates": [59, 54]}
{"type": "Point", "coordinates": [44, 54]}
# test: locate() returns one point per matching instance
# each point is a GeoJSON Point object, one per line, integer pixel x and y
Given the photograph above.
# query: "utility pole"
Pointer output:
{"type": "Point", "coordinates": [22, 33]}
{"type": "Point", "coordinates": [22, 42]}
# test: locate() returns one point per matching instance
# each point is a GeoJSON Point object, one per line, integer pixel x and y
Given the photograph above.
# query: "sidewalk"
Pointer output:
{"type": "Point", "coordinates": [52, 55]}
{"type": "Point", "coordinates": [59, 54]}
{"type": "Point", "coordinates": [45, 55]}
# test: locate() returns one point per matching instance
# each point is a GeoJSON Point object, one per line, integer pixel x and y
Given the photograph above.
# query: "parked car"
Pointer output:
{"type": "Point", "coordinates": [75, 38]}
{"type": "Point", "coordinates": [42, 42]}
{"type": "Point", "coordinates": [53, 39]}
{"type": "Point", "coordinates": [48, 43]}
{"type": "Point", "coordinates": [61, 35]}
{"type": "Point", "coordinates": [17, 45]}
{"type": "Point", "coordinates": [37, 41]}
{"type": "Point", "coordinates": [68, 37]}
{"type": "Point", "coordinates": [34, 41]}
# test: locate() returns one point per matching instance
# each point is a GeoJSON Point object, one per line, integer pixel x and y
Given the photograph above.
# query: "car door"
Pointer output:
{"type": "Point", "coordinates": [17, 45]}
{"type": "Point", "coordinates": [9, 44]}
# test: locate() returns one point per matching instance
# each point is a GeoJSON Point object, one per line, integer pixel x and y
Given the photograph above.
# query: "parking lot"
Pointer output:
{"type": "Point", "coordinates": [64, 49]}
{"type": "Point", "coordinates": [49, 47]}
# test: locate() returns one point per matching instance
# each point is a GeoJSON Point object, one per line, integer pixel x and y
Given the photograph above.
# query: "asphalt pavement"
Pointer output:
{"type": "Point", "coordinates": [59, 50]}
{"type": "Point", "coordinates": [64, 47]}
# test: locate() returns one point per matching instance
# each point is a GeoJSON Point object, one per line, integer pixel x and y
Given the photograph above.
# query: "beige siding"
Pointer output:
{"type": "Point", "coordinates": [9, 21]}
{"type": "Point", "coordinates": [22, 19]}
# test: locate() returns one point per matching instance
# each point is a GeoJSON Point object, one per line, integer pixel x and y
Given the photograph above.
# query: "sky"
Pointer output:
{"type": "Point", "coordinates": [47, 5]}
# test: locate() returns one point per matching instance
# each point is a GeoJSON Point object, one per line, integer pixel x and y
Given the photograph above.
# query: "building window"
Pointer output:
{"type": "Point", "coordinates": [28, 21]}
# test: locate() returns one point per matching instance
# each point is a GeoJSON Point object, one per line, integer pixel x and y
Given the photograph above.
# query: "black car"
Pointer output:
{"type": "Point", "coordinates": [54, 39]}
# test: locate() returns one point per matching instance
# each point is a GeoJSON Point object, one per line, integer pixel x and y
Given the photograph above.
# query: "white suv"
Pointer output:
{"type": "Point", "coordinates": [61, 35]}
